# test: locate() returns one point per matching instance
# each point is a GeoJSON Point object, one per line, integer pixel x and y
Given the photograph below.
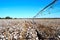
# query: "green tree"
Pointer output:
{"type": "Point", "coordinates": [8, 17]}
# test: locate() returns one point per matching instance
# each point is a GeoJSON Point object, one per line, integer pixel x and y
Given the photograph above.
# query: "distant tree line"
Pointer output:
{"type": "Point", "coordinates": [7, 18]}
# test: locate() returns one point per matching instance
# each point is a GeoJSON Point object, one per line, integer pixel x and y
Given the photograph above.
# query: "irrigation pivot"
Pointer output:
{"type": "Point", "coordinates": [38, 14]}
{"type": "Point", "coordinates": [45, 8]}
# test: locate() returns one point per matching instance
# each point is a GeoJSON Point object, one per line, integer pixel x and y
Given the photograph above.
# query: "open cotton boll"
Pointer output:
{"type": "Point", "coordinates": [15, 37]}
{"type": "Point", "coordinates": [36, 38]}
{"type": "Point", "coordinates": [1, 36]}
{"type": "Point", "coordinates": [20, 36]}
{"type": "Point", "coordinates": [59, 36]}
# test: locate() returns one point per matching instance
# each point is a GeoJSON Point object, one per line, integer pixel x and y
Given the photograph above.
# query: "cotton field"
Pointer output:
{"type": "Point", "coordinates": [25, 29]}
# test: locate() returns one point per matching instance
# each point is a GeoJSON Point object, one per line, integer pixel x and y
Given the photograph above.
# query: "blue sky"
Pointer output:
{"type": "Point", "coordinates": [28, 8]}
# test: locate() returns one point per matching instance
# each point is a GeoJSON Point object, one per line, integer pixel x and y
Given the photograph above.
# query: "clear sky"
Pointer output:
{"type": "Point", "coordinates": [28, 8]}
